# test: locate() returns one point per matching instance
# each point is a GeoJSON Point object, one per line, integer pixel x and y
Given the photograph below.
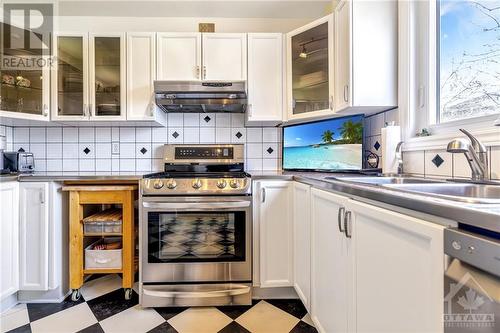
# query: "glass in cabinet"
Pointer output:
{"type": "Point", "coordinates": [310, 69]}
{"type": "Point", "coordinates": [24, 74]}
{"type": "Point", "coordinates": [71, 76]}
{"type": "Point", "coordinates": [108, 76]}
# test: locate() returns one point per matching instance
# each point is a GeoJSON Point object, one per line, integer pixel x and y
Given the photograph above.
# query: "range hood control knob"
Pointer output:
{"type": "Point", "coordinates": [171, 184]}
{"type": "Point", "coordinates": [234, 183]}
{"type": "Point", "coordinates": [221, 183]}
{"type": "Point", "coordinates": [157, 184]}
{"type": "Point", "coordinates": [196, 184]}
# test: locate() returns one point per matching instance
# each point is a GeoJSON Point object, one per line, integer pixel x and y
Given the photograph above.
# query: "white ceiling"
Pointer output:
{"type": "Point", "coordinates": [196, 8]}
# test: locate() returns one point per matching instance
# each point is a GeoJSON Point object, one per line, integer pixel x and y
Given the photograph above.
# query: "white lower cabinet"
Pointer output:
{"type": "Point", "coordinates": [330, 255]}
{"type": "Point", "coordinates": [274, 236]}
{"type": "Point", "coordinates": [34, 234]}
{"type": "Point", "coordinates": [9, 233]}
{"type": "Point", "coordinates": [41, 236]}
{"type": "Point", "coordinates": [399, 271]}
{"type": "Point", "coordinates": [302, 242]}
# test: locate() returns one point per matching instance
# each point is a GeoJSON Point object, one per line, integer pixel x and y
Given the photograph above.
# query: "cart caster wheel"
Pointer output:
{"type": "Point", "coordinates": [128, 294]}
{"type": "Point", "coordinates": [75, 295]}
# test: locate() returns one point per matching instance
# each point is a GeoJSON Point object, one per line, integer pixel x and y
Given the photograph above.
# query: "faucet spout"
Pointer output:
{"type": "Point", "coordinates": [475, 153]}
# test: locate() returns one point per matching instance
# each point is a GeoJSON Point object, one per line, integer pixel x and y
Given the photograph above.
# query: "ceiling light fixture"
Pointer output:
{"type": "Point", "coordinates": [303, 54]}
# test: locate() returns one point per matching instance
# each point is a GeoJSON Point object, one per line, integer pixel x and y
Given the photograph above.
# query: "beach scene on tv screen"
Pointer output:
{"type": "Point", "coordinates": [327, 145]}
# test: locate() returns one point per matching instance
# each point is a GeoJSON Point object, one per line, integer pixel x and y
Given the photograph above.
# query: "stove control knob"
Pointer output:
{"type": "Point", "coordinates": [171, 184]}
{"type": "Point", "coordinates": [234, 183]}
{"type": "Point", "coordinates": [158, 184]}
{"type": "Point", "coordinates": [221, 183]}
{"type": "Point", "coordinates": [196, 184]}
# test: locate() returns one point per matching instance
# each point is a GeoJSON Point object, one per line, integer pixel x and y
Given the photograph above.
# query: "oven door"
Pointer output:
{"type": "Point", "coordinates": [196, 239]}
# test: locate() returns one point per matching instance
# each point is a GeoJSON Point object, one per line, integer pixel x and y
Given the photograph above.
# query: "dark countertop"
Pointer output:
{"type": "Point", "coordinates": [486, 216]}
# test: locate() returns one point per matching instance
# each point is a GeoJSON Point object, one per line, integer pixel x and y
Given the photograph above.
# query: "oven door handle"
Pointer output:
{"type": "Point", "coordinates": [196, 205]}
{"type": "Point", "coordinates": [239, 290]}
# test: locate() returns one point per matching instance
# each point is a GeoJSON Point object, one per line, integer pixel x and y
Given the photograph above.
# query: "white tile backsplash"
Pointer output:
{"type": "Point", "coordinates": [413, 162]}
{"type": "Point", "coordinates": [192, 135]}
{"type": "Point", "coordinates": [86, 134]}
{"type": "Point", "coordinates": [62, 149]}
{"type": "Point", "coordinates": [461, 168]}
{"type": "Point", "coordinates": [37, 134]}
{"type": "Point", "coordinates": [495, 162]}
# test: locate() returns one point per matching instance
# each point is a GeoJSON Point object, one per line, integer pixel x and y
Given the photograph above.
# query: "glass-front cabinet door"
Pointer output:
{"type": "Point", "coordinates": [310, 69]}
{"type": "Point", "coordinates": [25, 72]}
{"type": "Point", "coordinates": [70, 79]}
{"type": "Point", "coordinates": [107, 76]}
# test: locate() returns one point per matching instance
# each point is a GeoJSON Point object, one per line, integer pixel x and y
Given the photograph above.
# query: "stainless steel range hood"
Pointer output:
{"type": "Point", "coordinates": [195, 96]}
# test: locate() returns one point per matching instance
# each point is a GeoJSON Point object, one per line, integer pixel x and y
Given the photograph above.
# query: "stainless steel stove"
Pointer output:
{"type": "Point", "coordinates": [196, 229]}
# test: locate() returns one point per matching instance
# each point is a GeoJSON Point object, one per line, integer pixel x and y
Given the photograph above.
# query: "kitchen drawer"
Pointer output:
{"type": "Point", "coordinates": [103, 259]}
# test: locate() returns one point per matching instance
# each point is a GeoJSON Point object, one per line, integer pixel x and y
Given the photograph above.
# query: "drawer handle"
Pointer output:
{"type": "Point", "coordinates": [340, 217]}
{"type": "Point", "coordinates": [102, 261]}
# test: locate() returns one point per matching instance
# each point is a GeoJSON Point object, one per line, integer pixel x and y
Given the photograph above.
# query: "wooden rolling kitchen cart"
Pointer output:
{"type": "Point", "coordinates": [100, 197]}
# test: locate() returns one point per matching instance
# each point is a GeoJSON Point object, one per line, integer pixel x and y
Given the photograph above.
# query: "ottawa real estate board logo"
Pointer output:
{"type": "Point", "coordinates": [26, 33]}
{"type": "Point", "coordinates": [469, 306]}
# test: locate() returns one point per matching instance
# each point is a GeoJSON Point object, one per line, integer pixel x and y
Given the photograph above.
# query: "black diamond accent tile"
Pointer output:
{"type": "Point", "coordinates": [239, 135]}
{"type": "Point", "coordinates": [86, 150]}
{"type": "Point", "coordinates": [175, 135]}
{"type": "Point", "coordinates": [270, 150]}
{"type": "Point", "coordinates": [291, 306]}
{"type": "Point", "coordinates": [143, 150]}
{"type": "Point", "coordinates": [163, 328]}
{"type": "Point", "coordinates": [437, 160]}
{"type": "Point", "coordinates": [303, 327]}
{"type": "Point", "coordinates": [96, 328]}
{"type": "Point", "coordinates": [376, 145]}
{"type": "Point", "coordinates": [110, 304]}
{"type": "Point", "coordinates": [234, 327]}
{"type": "Point", "coordinates": [207, 119]}
{"type": "Point", "coordinates": [169, 313]}
{"type": "Point", "coordinates": [21, 329]}
{"type": "Point", "coordinates": [21, 150]}
{"type": "Point", "coordinates": [39, 310]}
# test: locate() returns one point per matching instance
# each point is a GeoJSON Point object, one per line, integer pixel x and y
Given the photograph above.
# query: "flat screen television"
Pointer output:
{"type": "Point", "coordinates": [326, 145]}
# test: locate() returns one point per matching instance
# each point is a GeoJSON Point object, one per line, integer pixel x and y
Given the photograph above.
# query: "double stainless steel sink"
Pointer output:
{"type": "Point", "coordinates": [464, 192]}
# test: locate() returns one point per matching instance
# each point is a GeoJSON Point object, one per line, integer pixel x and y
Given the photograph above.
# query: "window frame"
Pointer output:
{"type": "Point", "coordinates": [419, 98]}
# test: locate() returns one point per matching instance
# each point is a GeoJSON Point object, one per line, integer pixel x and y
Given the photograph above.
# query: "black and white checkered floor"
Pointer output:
{"type": "Point", "coordinates": [102, 308]}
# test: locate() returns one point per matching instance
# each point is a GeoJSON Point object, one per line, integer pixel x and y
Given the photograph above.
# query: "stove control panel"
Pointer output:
{"type": "Point", "coordinates": [197, 186]}
{"type": "Point", "coordinates": [216, 153]}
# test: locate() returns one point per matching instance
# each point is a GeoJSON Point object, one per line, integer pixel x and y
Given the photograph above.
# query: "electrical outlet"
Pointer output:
{"type": "Point", "coordinates": [115, 148]}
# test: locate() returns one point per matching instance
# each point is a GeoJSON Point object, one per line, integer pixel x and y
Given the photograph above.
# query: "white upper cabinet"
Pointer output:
{"type": "Point", "coordinates": [310, 70]}
{"type": "Point", "coordinates": [265, 78]}
{"type": "Point", "coordinates": [275, 227]}
{"type": "Point", "coordinates": [9, 238]}
{"type": "Point", "coordinates": [107, 79]}
{"type": "Point", "coordinates": [399, 260]}
{"type": "Point", "coordinates": [302, 242]}
{"type": "Point", "coordinates": [179, 56]}
{"type": "Point", "coordinates": [70, 77]}
{"type": "Point", "coordinates": [365, 55]}
{"type": "Point", "coordinates": [24, 93]}
{"type": "Point", "coordinates": [224, 56]}
{"type": "Point", "coordinates": [141, 72]}
{"type": "Point", "coordinates": [34, 236]}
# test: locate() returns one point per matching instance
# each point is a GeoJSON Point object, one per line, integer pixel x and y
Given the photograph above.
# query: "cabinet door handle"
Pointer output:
{"type": "Point", "coordinates": [42, 197]}
{"type": "Point", "coordinates": [197, 71]}
{"type": "Point", "coordinates": [263, 195]}
{"type": "Point", "coordinates": [340, 217]}
{"type": "Point", "coordinates": [347, 224]}
{"type": "Point", "coordinates": [204, 72]}
{"type": "Point", "coordinates": [346, 93]}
